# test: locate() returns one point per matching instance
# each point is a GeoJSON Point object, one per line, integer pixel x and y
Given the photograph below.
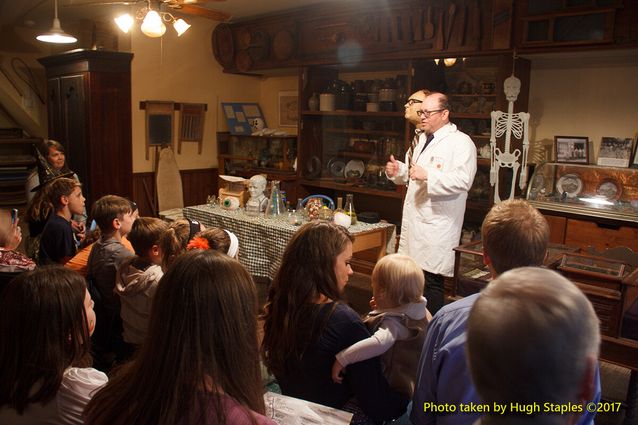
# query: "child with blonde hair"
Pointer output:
{"type": "Point", "coordinates": [399, 320]}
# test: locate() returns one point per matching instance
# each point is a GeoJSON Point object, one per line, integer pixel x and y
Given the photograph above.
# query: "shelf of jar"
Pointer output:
{"type": "Point", "coordinates": [354, 114]}
{"type": "Point", "coordinates": [329, 183]}
{"type": "Point", "coordinates": [363, 132]}
{"type": "Point", "coordinates": [472, 95]}
{"type": "Point", "coordinates": [284, 175]}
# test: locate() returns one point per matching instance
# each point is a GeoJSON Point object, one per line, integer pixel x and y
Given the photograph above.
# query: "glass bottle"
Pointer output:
{"type": "Point", "coordinates": [340, 217]}
{"type": "Point", "coordinates": [313, 102]}
{"type": "Point", "coordinates": [276, 206]}
{"type": "Point", "coordinates": [349, 209]}
{"type": "Point", "coordinates": [300, 211]}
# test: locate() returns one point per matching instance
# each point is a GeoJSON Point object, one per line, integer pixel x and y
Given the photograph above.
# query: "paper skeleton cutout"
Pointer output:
{"type": "Point", "coordinates": [507, 124]}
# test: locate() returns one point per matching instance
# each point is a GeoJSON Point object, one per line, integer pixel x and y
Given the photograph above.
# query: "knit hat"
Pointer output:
{"type": "Point", "coordinates": [46, 173]}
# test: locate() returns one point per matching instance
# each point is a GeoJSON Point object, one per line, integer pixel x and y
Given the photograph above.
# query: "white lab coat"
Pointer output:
{"type": "Point", "coordinates": [433, 210]}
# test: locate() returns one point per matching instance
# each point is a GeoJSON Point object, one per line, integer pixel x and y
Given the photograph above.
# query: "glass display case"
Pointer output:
{"type": "Point", "coordinates": [588, 190]}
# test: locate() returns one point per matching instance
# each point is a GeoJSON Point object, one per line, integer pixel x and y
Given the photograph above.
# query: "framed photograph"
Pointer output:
{"type": "Point", "coordinates": [243, 118]}
{"type": "Point", "coordinates": [288, 108]}
{"type": "Point", "coordinates": [572, 149]}
{"type": "Point", "coordinates": [634, 160]}
{"type": "Point", "coordinates": [615, 152]}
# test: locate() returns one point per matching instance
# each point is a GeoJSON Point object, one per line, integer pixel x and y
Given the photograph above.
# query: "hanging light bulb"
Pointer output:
{"type": "Point", "coordinates": [181, 26]}
{"type": "Point", "coordinates": [124, 22]}
{"type": "Point", "coordinates": [152, 25]}
{"type": "Point", "coordinates": [56, 34]}
{"type": "Point", "coordinates": [449, 61]}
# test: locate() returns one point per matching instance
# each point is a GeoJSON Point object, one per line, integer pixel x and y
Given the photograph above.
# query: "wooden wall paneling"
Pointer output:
{"type": "Point", "coordinates": [557, 228]}
{"type": "Point", "coordinates": [586, 233]}
{"type": "Point", "coordinates": [196, 184]}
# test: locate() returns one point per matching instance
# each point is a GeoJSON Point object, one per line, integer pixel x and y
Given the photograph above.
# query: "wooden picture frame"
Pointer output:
{"type": "Point", "coordinates": [634, 158]}
{"type": "Point", "coordinates": [159, 123]}
{"type": "Point", "coordinates": [288, 107]}
{"type": "Point", "coordinates": [571, 149]}
{"type": "Point", "coordinates": [615, 152]}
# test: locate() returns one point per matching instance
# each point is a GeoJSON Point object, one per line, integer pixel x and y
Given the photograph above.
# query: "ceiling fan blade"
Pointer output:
{"type": "Point", "coordinates": [216, 15]}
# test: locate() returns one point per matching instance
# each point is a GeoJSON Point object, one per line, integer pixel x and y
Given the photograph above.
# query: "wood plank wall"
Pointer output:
{"type": "Point", "coordinates": [196, 184]}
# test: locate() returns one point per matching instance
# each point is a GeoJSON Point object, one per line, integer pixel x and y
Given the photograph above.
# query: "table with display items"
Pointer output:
{"type": "Point", "coordinates": [262, 240]}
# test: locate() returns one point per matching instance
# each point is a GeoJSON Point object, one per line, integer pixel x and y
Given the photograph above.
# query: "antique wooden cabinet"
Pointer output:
{"type": "Point", "coordinates": [89, 109]}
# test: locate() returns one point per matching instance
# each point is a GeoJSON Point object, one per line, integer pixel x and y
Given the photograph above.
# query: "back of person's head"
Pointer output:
{"type": "Point", "coordinates": [60, 187]}
{"type": "Point", "coordinates": [215, 238]}
{"type": "Point", "coordinates": [108, 208]}
{"type": "Point", "coordinates": [40, 206]}
{"type": "Point", "coordinates": [514, 234]}
{"type": "Point", "coordinates": [146, 232]}
{"type": "Point", "coordinates": [399, 278]}
{"type": "Point", "coordinates": [6, 228]}
{"type": "Point", "coordinates": [532, 336]}
{"type": "Point", "coordinates": [43, 331]}
{"type": "Point", "coordinates": [175, 240]}
{"type": "Point", "coordinates": [305, 275]}
{"type": "Point", "coordinates": [203, 327]}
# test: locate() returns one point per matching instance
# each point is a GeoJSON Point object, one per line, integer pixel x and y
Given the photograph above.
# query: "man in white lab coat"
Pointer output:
{"type": "Point", "coordinates": [439, 171]}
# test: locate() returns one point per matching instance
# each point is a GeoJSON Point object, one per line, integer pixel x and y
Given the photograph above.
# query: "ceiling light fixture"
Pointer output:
{"type": "Point", "coordinates": [152, 22]}
{"type": "Point", "coordinates": [56, 34]}
{"type": "Point", "coordinates": [447, 61]}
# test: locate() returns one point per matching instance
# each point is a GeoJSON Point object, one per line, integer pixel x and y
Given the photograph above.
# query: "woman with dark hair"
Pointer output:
{"type": "Point", "coordinates": [199, 363]}
{"type": "Point", "coordinates": [306, 325]}
{"type": "Point", "coordinates": [46, 319]}
{"type": "Point", "coordinates": [53, 152]}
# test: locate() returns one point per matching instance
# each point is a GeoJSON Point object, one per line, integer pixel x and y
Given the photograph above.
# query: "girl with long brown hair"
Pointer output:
{"type": "Point", "coordinates": [199, 363]}
{"type": "Point", "coordinates": [46, 319]}
{"type": "Point", "coordinates": [307, 324]}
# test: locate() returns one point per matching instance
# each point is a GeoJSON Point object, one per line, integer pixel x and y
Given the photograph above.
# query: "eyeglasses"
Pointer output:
{"type": "Point", "coordinates": [428, 114]}
{"type": "Point", "coordinates": [413, 101]}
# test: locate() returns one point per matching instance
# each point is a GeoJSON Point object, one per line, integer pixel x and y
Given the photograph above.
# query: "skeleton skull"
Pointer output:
{"type": "Point", "coordinates": [512, 86]}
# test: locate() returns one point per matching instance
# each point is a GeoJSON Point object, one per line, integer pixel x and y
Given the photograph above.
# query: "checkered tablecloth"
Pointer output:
{"type": "Point", "coordinates": [262, 241]}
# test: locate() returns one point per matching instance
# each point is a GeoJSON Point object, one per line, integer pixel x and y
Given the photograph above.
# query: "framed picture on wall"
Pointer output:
{"type": "Point", "coordinates": [615, 152]}
{"type": "Point", "coordinates": [634, 159]}
{"type": "Point", "coordinates": [572, 149]}
{"type": "Point", "coordinates": [288, 108]}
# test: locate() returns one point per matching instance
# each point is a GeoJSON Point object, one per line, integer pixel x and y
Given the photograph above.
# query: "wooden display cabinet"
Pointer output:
{"type": "Point", "coordinates": [245, 156]}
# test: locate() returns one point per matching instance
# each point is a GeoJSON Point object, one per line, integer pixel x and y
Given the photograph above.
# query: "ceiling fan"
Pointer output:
{"type": "Point", "coordinates": [187, 7]}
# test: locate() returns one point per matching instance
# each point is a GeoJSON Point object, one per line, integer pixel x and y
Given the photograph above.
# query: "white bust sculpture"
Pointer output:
{"type": "Point", "coordinates": [257, 201]}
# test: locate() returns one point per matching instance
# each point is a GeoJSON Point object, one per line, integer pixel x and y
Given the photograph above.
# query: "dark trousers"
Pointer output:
{"type": "Point", "coordinates": [434, 291]}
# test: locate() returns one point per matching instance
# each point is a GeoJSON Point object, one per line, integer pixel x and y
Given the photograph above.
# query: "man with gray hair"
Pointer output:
{"type": "Point", "coordinates": [532, 347]}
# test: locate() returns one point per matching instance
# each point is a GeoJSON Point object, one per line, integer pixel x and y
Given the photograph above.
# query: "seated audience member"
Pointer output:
{"type": "Point", "coordinates": [114, 216]}
{"type": "Point", "coordinates": [57, 243]}
{"type": "Point", "coordinates": [307, 324]}
{"type": "Point", "coordinates": [46, 319]}
{"type": "Point", "coordinates": [398, 321]}
{"type": "Point", "coordinates": [80, 261]}
{"type": "Point", "coordinates": [514, 234]}
{"type": "Point", "coordinates": [12, 262]}
{"type": "Point", "coordinates": [532, 345]}
{"type": "Point", "coordinates": [39, 209]}
{"type": "Point", "coordinates": [218, 239]}
{"type": "Point", "coordinates": [203, 327]}
{"type": "Point", "coordinates": [137, 278]}
{"type": "Point", "coordinates": [175, 240]}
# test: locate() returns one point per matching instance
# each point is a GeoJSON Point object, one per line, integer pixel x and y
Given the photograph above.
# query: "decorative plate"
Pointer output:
{"type": "Point", "coordinates": [336, 166]}
{"type": "Point", "coordinates": [354, 168]}
{"type": "Point", "coordinates": [611, 189]}
{"type": "Point", "coordinates": [570, 184]}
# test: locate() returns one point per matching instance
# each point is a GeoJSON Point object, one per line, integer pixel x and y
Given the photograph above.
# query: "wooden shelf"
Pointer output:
{"type": "Point", "coordinates": [250, 136]}
{"type": "Point", "coordinates": [358, 155]}
{"type": "Point", "coordinates": [472, 95]}
{"type": "Point", "coordinates": [354, 114]}
{"type": "Point", "coordinates": [363, 132]}
{"type": "Point", "coordinates": [327, 183]}
{"type": "Point", "coordinates": [285, 175]}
